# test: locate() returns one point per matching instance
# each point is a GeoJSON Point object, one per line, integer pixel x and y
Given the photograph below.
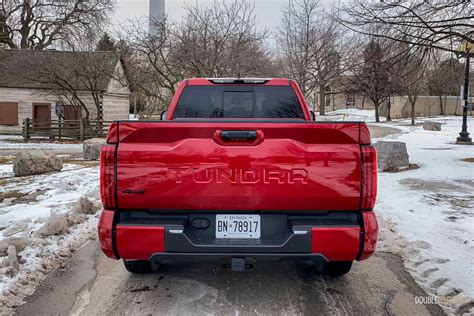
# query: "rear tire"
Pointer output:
{"type": "Point", "coordinates": [138, 266]}
{"type": "Point", "coordinates": [337, 268]}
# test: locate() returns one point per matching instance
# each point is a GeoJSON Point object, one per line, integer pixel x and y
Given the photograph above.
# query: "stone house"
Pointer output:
{"type": "Point", "coordinates": [85, 84]}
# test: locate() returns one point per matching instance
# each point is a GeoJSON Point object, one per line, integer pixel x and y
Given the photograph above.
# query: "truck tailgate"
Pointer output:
{"type": "Point", "coordinates": [240, 166]}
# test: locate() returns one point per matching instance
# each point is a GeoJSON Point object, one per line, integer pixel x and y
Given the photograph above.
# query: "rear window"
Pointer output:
{"type": "Point", "coordinates": [238, 102]}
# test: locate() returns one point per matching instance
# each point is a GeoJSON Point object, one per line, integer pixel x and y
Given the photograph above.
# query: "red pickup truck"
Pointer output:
{"type": "Point", "coordinates": [238, 170]}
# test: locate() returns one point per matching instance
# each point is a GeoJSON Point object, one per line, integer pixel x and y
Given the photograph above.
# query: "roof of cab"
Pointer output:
{"type": "Point", "coordinates": [238, 81]}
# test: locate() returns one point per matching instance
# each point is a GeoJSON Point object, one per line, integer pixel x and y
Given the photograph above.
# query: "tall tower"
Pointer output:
{"type": "Point", "coordinates": [157, 11]}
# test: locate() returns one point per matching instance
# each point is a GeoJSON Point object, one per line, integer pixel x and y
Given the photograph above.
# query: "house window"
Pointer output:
{"type": "Point", "coordinates": [8, 113]}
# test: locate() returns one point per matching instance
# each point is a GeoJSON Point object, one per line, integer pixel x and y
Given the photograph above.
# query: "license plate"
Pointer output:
{"type": "Point", "coordinates": [237, 226]}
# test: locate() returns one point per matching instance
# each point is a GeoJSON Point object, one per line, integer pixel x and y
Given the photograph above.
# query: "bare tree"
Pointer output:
{"type": "Point", "coordinates": [297, 40]}
{"type": "Point", "coordinates": [369, 74]}
{"type": "Point", "coordinates": [217, 41]}
{"type": "Point", "coordinates": [409, 75]}
{"type": "Point", "coordinates": [445, 79]}
{"type": "Point", "coordinates": [330, 52]}
{"type": "Point", "coordinates": [38, 24]}
{"type": "Point", "coordinates": [222, 40]}
{"type": "Point", "coordinates": [314, 48]}
{"type": "Point", "coordinates": [153, 62]}
{"type": "Point", "coordinates": [434, 24]}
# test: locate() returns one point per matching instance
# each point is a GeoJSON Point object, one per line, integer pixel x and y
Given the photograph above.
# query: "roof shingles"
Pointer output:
{"type": "Point", "coordinates": [34, 69]}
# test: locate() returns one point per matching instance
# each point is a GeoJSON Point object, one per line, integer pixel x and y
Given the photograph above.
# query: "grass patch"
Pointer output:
{"type": "Point", "coordinates": [411, 166]}
{"type": "Point", "coordinates": [11, 194]}
{"type": "Point", "coordinates": [4, 160]}
{"type": "Point", "coordinates": [81, 162]}
{"type": "Point", "coordinates": [21, 197]}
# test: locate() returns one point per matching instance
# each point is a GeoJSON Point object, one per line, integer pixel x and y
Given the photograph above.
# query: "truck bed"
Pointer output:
{"type": "Point", "coordinates": [270, 166]}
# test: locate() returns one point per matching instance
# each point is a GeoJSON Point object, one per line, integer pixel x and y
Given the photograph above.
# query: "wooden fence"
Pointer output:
{"type": "Point", "coordinates": [65, 129]}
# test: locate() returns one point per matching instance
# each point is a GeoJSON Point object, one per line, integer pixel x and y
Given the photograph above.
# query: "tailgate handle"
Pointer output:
{"type": "Point", "coordinates": [239, 135]}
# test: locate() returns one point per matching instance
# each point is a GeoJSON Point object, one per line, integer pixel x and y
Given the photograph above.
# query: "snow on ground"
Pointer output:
{"type": "Point", "coordinates": [6, 171]}
{"type": "Point", "coordinates": [26, 203]}
{"type": "Point", "coordinates": [427, 214]}
{"type": "Point", "coordinates": [358, 115]}
{"type": "Point", "coordinates": [61, 191]}
{"type": "Point", "coordinates": [431, 211]}
{"type": "Point", "coordinates": [13, 142]}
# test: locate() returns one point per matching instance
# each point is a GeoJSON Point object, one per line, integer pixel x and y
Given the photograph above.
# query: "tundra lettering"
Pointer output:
{"type": "Point", "coordinates": [241, 176]}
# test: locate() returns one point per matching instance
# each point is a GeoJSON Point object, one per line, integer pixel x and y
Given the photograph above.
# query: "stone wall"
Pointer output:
{"type": "Point", "coordinates": [426, 106]}
{"type": "Point", "coordinates": [339, 102]}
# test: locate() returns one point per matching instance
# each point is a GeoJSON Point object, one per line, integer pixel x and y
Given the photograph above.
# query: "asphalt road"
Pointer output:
{"type": "Point", "coordinates": [91, 284]}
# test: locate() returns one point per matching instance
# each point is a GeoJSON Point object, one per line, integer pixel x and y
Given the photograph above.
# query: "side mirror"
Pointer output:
{"type": "Point", "coordinates": [313, 115]}
{"type": "Point", "coordinates": [163, 115]}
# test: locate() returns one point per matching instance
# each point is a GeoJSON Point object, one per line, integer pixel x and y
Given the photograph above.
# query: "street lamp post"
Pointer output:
{"type": "Point", "coordinates": [463, 137]}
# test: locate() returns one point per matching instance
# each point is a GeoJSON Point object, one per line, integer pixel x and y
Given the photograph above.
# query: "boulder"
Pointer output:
{"type": "Point", "coordinates": [431, 126]}
{"type": "Point", "coordinates": [31, 162]}
{"type": "Point", "coordinates": [391, 155]}
{"type": "Point", "coordinates": [91, 148]}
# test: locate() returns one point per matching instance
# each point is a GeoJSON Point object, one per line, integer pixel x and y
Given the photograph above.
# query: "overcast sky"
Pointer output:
{"type": "Point", "coordinates": [268, 12]}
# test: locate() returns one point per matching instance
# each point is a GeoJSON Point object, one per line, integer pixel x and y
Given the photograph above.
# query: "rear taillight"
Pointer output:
{"type": "Point", "coordinates": [371, 232]}
{"type": "Point", "coordinates": [105, 228]}
{"type": "Point", "coordinates": [107, 176]}
{"type": "Point", "coordinates": [368, 177]}
{"type": "Point", "coordinates": [112, 135]}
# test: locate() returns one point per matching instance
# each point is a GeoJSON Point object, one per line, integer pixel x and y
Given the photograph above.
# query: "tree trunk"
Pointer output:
{"type": "Point", "coordinates": [441, 104]}
{"type": "Point", "coordinates": [389, 108]}
{"type": "Point", "coordinates": [322, 101]}
{"type": "Point", "coordinates": [134, 98]}
{"type": "Point", "coordinates": [456, 106]}
{"type": "Point", "coordinates": [377, 117]}
{"type": "Point", "coordinates": [413, 104]}
{"type": "Point", "coordinates": [445, 104]}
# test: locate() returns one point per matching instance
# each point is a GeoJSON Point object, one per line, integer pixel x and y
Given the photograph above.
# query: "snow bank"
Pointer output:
{"type": "Point", "coordinates": [46, 220]}
{"type": "Point", "coordinates": [60, 192]}
{"type": "Point", "coordinates": [39, 258]}
{"type": "Point", "coordinates": [427, 214]}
